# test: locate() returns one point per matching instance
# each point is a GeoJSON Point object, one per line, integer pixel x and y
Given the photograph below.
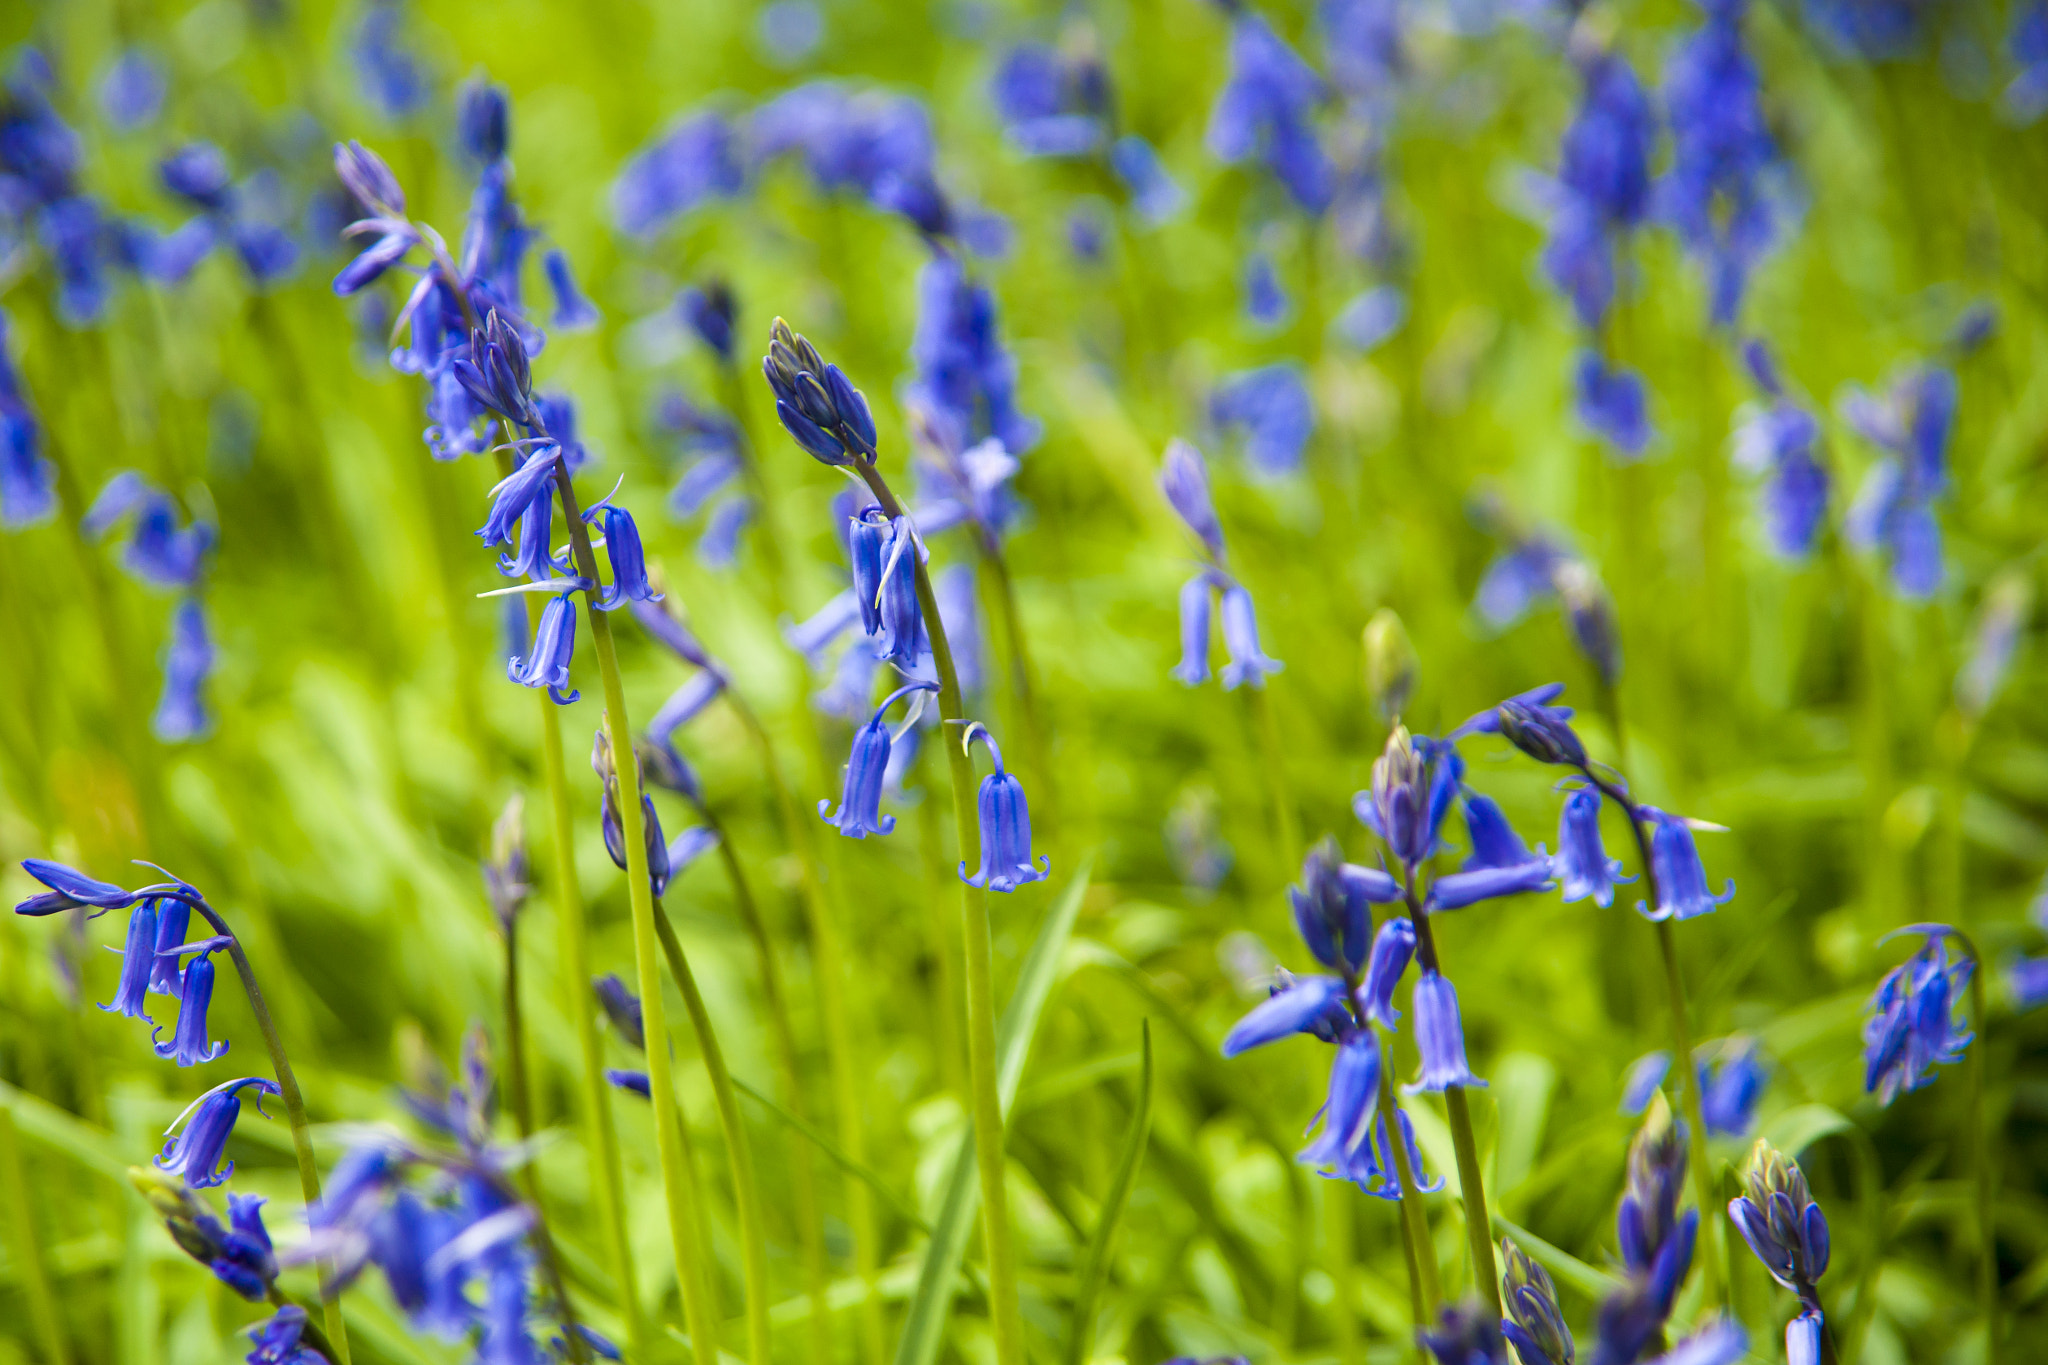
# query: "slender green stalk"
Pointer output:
{"type": "Point", "coordinates": [1980, 1141]}
{"type": "Point", "coordinates": [678, 1184]}
{"type": "Point", "coordinates": [803, 1177]}
{"type": "Point", "coordinates": [1286, 824]}
{"type": "Point", "coordinates": [28, 1248]}
{"type": "Point", "coordinates": [1471, 1184]}
{"type": "Point", "coordinates": [986, 1108]}
{"type": "Point", "coordinates": [1425, 1287]}
{"type": "Point", "coordinates": [746, 1191]}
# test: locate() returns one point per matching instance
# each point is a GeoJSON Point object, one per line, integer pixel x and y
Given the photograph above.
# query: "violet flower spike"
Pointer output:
{"type": "Point", "coordinates": [1005, 825]}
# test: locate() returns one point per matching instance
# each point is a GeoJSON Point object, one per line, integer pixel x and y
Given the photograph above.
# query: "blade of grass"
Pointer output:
{"type": "Point", "coordinates": [924, 1323]}
{"type": "Point", "coordinates": [858, 1170]}
{"type": "Point", "coordinates": [1096, 1267]}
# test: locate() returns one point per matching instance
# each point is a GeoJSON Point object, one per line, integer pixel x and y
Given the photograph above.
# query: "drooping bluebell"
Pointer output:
{"type": "Point", "coordinates": [132, 91]}
{"type": "Point", "coordinates": [1156, 197]}
{"type": "Point", "coordinates": [1249, 664]}
{"type": "Point", "coordinates": [188, 1045]}
{"type": "Point", "coordinates": [173, 916]}
{"type": "Point", "coordinates": [1439, 1036]}
{"type": "Point", "coordinates": [1731, 1086]}
{"type": "Point", "coordinates": [1911, 423]}
{"type": "Point", "coordinates": [1613, 403]}
{"type": "Point", "coordinates": [709, 310]}
{"type": "Point", "coordinates": [1005, 824]}
{"type": "Point", "coordinates": [1392, 948]}
{"type": "Point", "coordinates": [1352, 1103]}
{"type": "Point", "coordinates": [1782, 440]}
{"type": "Point", "coordinates": [389, 71]}
{"type": "Point", "coordinates": [1915, 1023]}
{"type": "Point", "coordinates": [612, 827]}
{"type": "Point", "coordinates": [860, 801]}
{"type": "Point", "coordinates": [964, 379]}
{"type": "Point", "coordinates": [1297, 1005]}
{"type": "Point", "coordinates": [1332, 906]}
{"type": "Point", "coordinates": [138, 960]}
{"type": "Point", "coordinates": [188, 660]}
{"type": "Point", "coordinates": [1583, 868]}
{"type": "Point", "coordinates": [1265, 301]}
{"type": "Point", "coordinates": [71, 889]}
{"type": "Point", "coordinates": [573, 311]}
{"type": "Point", "coordinates": [1266, 110]}
{"type": "Point", "coordinates": [554, 644]}
{"type": "Point", "coordinates": [195, 1153]}
{"type": "Point", "coordinates": [1052, 103]}
{"type": "Point", "coordinates": [1680, 877]}
{"type": "Point", "coordinates": [695, 160]}
{"type": "Point", "coordinates": [628, 560]}
{"type": "Point", "coordinates": [905, 636]}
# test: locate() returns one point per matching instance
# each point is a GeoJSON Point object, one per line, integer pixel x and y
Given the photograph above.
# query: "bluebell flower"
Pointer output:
{"type": "Point", "coordinates": [1466, 1334]}
{"type": "Point", "coordinates": [700, 481]}
{"type": "Point", "coordinates": [622, 1007]}
{"type": "Point", "coordinates": [1414, 781]}
{"type": "Point", "coordinates": [1051, 103]}
{"type": "Point", "coordinates": [1722, 149]}
{"type": "Point", "coordinates": [817, 404]}
{"type": "Point", "coordinates": [1374, 1171]}
{"type": "Point", "coordinates": [790, 31]}
{"type": "Point", "coordinates": [1681, 880]}
{"type": "Point", "coordinates": [1731, 1088]}
{"type": "Point", "coordinates": [27, 480]}
{"type": "Point", "coordinates": [195, 1153]}
{"type": "Point", "coordinates": [2026, 980]}
{"type": "Point", "coordinates": [70, 889]}
{"type": "Point", "coordinates": [267, 251]}
{"type": "Point", "coordinates": [1156, 197]}
{"type": "Point", "coordinates": [388, 72]}
{"type": "Point", "coordinates": [554, 644]}
{"type": "Point", "coordinates": [1642, 1079]}
{"type": "Point", "coordinates": [1363, 48]}
{"type": "Point", "coordinates": [1656, 1241]}
{"type": "Point", "coordinates": [694, 161]}
{"type": "Point", "coordinates": [1456, 890]}
{"type": "Point", "coordinates": [1534, 1323]}
{"type": "Point", "coordinates": [1195, 608]}
{"type": "Point", "coordinates": [188, 1045]}
{"type": "Point", "coordinates": [277, 1340]}
{"type": "Point", "coordinates": [1604, 159]}
{"type": "Point", "coordinates": [535, 556]}
{"type": "Point", "coordinates": [188, 660]}
{"type": "Point", "coordinates": [636, 1081]}
{"type": "Point", "coordinates": [132, 92]}
{"type": "Point", "coordinates": [1439, 1036]}
{"type": "Point", "coordinates": [1184, 478]}
{"type": "Point", "coordinates": [1783, 1225]}
{"type": "Point", "coordinates": [497, 372]}
{"type": "Point", "coordinates": [1912, 423]}
{"type": "Point", "coordinates": [1392, 948]}
{"type": "Point", "coordinates": [1005, 820]}
{"type": "Point", "coordinates": [1529, 722]}
{"type": "Point", "coordinates": [1348, 1113]}
{"type": "Point", "coordinates": [1370, 317]}
{"type": "Point", "coordinates": [1297, 1005]}
{"type": "Point", "coordinates": [1803, 1338]}
{"type": "Point", "coordinates": [1583, 868]}
{"type": "Point", "coordinates": [1272, 407]}
{"type": "Point", "coordinates": [573, 312]}
{"type": "Point", "coordinates": [1494, 842]}
{"type": "Point", "coordinates": [138, 960]}
{"type": "Point", "coordinates": [1783, 440]}
{"type": "Point", "coordinates": [904, 637]}
{"type": "Point", "coordinates": [198, 172]}
{"type": "Point", "coordinates": [2026, 97]}
{"type": "Point", "coordinates": [1248, 664]}
{"type": "Point", "coordinates": [654, 843]}
{"type": "Point", "coordinates": [1265, 110]}
{"type": "Point", "coordinates": [1519, 577]}
{"type": "Point", "coordinates": [709, 310]}
{"type": "Point", "coordinates": [965, 381]}
{"type": "Point", "coordinates": [867, 536]}
{"type": "Point", "coordinates": [1914, 1024]}
{"type": "Point", "coordinates": [248, 1262]}
{"type": "Point", "coordinates": [628, 560]}
{"type": "Point", "coordinates": [483, 117]}
{"type": "Point", "coordinates": [1613, 404]}
{"type": "Point", "coordinates": [78, 237]}
{"type": "Point", "coordinates": [1331, 906]}
{"type": "Point", "coordinates": [859, 812]}
{"type": "Point", "coordinates": [173, 917]}
{"type": "Point", "coordinates": [1265, 302]}
{"type": "Point", "coordinates": [719, 546]}
{"type": "Point", "coordinates": [814, 636]}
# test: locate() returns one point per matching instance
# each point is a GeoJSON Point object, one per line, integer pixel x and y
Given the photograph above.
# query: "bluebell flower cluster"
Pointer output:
{"type": "Point", "coordinates": [28, 493]}
{"type": "Point", "coordinates": [162, 553]}
{"type": "Point", "coordinates": [1787, 1231]}
{"type": "Point", "coordinates": [1266, 111]}
{"type": "Point", "coordinates": [1717, 194]}
{"type": "Point", "coordinates": [1781, 440]}
{"type": "Point", "coordinates": [244, 217]}
{"type": "Point", "coordinates": [1272, 409]}
{"type": "Point", "coordinates": [1656, 1241]}
{"type": "Point", "coordinates": [1915, 1022]}
{"type": "Point", "coordinates": [965, 381]}
{"type": "Point", "coordinates": [1910, 424]}
{"type": "Point", "coordinates": [239, 1253]}
{"type": "Point", "coordinates": [1184, 479]}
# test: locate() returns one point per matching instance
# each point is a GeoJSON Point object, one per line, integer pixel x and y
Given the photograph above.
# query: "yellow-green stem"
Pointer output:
{"type": "Point", "coordinates": [1425, 1284]}
{"type": "Point", "coordinates": [987, 1109]}
{"type": "Point", "coordinates": [1695, 1114]}
{"type": "Point", "coordinates": [739, 1154]}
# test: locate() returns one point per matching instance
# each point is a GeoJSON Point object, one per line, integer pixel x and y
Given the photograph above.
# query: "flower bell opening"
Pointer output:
{"type": "Point", "coordinates": [1005, 825]}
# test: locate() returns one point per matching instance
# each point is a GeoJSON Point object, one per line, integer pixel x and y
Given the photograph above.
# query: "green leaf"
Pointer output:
{"type": "Point", "coordinates": [1096, 1265]}
{"type": "Point", "coordinates": [858, 1170]}
{"type": "Point", "coordinates": [1594, 1284]}
{"type": "Point", "coordinates": [41, 1122]}
{"type": "Point", "coordinates": [1798, 1128]}
{"type": "Point", "coordinates": [925, 1322]}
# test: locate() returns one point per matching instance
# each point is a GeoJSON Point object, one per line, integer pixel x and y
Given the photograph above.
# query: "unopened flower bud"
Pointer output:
{"type": "Point", "coordinates": [1390, 665]}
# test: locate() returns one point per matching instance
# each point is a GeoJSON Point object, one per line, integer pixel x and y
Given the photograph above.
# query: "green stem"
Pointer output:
{"type": "Point", "coordinates": [28, 1249]}
{"type": "Point", "coordinates": [803, 1184]}
{"type": "Point", "coordinates": [1425, 1287]}
{"type": "Point", "coordinates": [1471, 1184]}
{"type": "Point", "coordinates": [678, 1185]}
{"type": "Point", "coordinates": [1286, 825]}
{"type": "Point", "coordinates": [294, 1105]}
{"type": "Point", "coordinates": [746, 1192]}
{"type": "Point", "coordinates": [986, 1110]}
{"type": "Point", "coordinates": [1987, 1231]}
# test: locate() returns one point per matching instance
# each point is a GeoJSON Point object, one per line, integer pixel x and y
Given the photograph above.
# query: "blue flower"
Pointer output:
{"type": "Point", "coordinates": [1272, 407]}
{"type": "Point", "coordinates": [1612, 403]}
{"type": "Point", "coordinates": [1494, 842]}
{"type": "Point", "coordinates": [1534, 1322]}
{"type": "Point", "coordinates": [817, 404]}
{"type": "Point", "coordinates": [1893, 511]}
{"type": "Point", "coordinates": [814, 636]}
{"type": "Point", "coordinates": [132, 92]}
{"type": "Point", "coordinates": [2026, 98]}
{"type": "Point", "coordinates": [573, 312]}
{"type": "Point", "coordinates": [866, 535]}
{"type": "Point", "coordinates": [497, 372]}
{"type": "Point", "coordinates": [1331, 906]}
{"type": "Point", "coordinates": [554, 644]}
{"type": "Point", "coordinates": [2026, 979]}
{"type": "Point", "coordinates": [709, 310]}
{"type": "Point", "coordinates": [1914, 1025]}
{"type": "Point", "coordinates": [1681, 880]}
{"type": "Point", "coordinates": [1193, 668]}
{"type": "Point", "coordinates": [635, 1081]}
{"type": "Point", "coordinates": [70, 889]}
{"type": "Point", "coordinates": [277, 1340]}
{"type": "Point", "coordinates": [1784, 440]}
{"type": "Point", "coordinates": [1604, 160]}
{"type": "Point", "coordinates": [187, 661]}
{"type": "Point", "coordinates": [1529, 722]}
{"type": "Point", "coordinates": [1803, 1338]}
{"type": "Point", "coordinates": [195, 1153]}
{"type": "Point", "coordinates": [1644, 1075]}
{"type": "Point", "coordinates": [1656, 1241]}
{"type": "Point", "coordinates": [247, 1262]}
{"type": "Point", "coordinates": [1266, 109]}
{"type": "Point", "coordinates": [1392, 948]}
{"type": "Point", "coordinates": [1782, 1223]}
{"type": "Point", "coordinates": [1184, 478]}
{"type": "Point", "coordinates": [1370, 317]}
{"type": "Point", "coordinates": [188, 1045]}
{"type": "Point", "coordinates": [653, 841]}
{"type": "Point", "coordinates": [1155, 196]}
{"type": "Point", "coordinates": [622, 1007]}
{"type": "Point", "coordinates": [1730, 1090]}
{"type": "Point", "coordinates": [964, 380]}
{"type": "Point", "coordinates": [535, 558]}
{"type": "Point", "coordinates": [1297, 1005]}
{"type": "Point", "coordinates": [173, 917]}
{"type": "Point", "coordinates": [1413, 784]}
{"type": "Point", "coordinates": [1457, 890]}
{"type": "Point", "coordinates": [904, 638]}
{"type": "Point", "coordinates": [1348, 1113]}
{"type": "Point", "coordinates": [629, 562]}
{"type": "Point", "coordinates": [1518, 578]}
{"type": "Point", "coordinates": [1248, 663]}
{"type": "Point", "coordinates": [1265, 302]}
{"type": "Point", "coordinates": [1362, 45]}
{"type": "Point", "coordinates": [1005, 826]}
{"type": "Point", "coordinates": [198, 172]}
{"type": "Point", "coordinates": [1582, 865]}
{"type": "Point", "coordinates": [1439, 1036]}
{"type": "Point", "coordinates": [1466, 1334]}
{"type": "Point", "coordinates": [388, 73]}
{"type": "Point", "coordinates": [138, 960]}
{"type": "Point", "coordinates": [860, 801]}
{"type": "Point", "coordinates": [1050, 103]}
{"type": "Point", "coordinates": [27, 480]}
{"type": "Point", "coordinates": [1374, 1171]}
{"type": "Point", "coordinates": [483, 118]}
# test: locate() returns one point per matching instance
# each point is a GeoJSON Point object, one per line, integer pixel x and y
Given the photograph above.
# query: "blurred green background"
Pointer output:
{"type": "Point", "coordinates": [364, 738]}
